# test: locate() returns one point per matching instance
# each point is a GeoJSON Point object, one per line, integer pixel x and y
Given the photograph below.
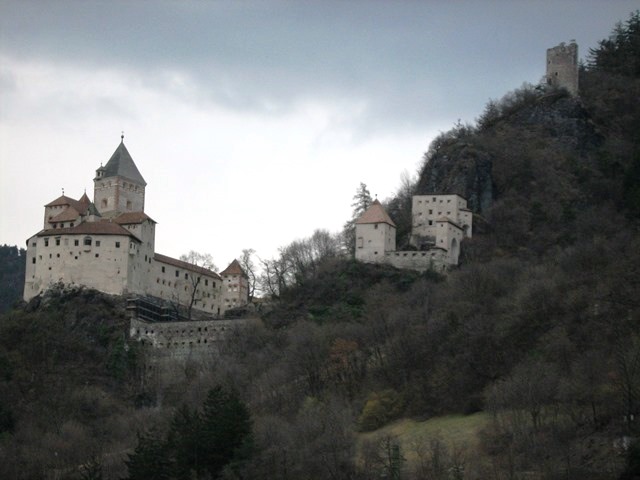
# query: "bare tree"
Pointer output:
{"type": "Point", "coordinates": [249, 267]}
{"type": "Point", "coordinates": [203, 263]}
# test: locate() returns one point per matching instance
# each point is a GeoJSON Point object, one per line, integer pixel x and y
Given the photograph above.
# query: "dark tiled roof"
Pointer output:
{"type": "Point", "coordinates": [186, 265]}
{"type": "Point", "coordinates": [81, 206]}
{"type": "Point", "coordinates": [62, 200]}
{"type": "Point", "coordinates": [121, 164]}
{"type": "Point", "coordinates": [132, 217]}
{"type": "Point", "coordinates": [234, 268]}
{"type": "Point", "coordinates": [375, 214]}
{"type": "Point", "coordinates": [103, 227]}
{"type": "Point", "coordinates": [66, 215]}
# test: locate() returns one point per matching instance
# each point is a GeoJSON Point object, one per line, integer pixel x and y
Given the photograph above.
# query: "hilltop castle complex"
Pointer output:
{"type": "Point", "coordinates": [109, 245]}
{"type": "Point", "coordinates": [439, 224]}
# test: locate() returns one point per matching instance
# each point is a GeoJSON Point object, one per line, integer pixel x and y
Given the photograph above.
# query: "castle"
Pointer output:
{"type": "Point", "coordinates": [439, 224]}
{"type": "Point", "coordinates": [109, 245]}
{"type": "Point", "coordinates": [562, 67]}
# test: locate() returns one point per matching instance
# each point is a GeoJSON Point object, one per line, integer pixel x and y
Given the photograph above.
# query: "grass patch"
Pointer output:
{"type": "Point", "coordinates": [456, 431]}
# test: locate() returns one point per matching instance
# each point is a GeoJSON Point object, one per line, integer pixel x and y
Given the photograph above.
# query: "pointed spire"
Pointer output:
{"type": "Point", "coordinates": [122, 136]}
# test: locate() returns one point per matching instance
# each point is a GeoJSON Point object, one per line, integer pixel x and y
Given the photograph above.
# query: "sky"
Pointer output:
{"type": "Point", "coordinates": [254, 122]}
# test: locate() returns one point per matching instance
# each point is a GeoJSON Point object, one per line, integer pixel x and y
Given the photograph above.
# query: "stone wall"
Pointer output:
{"type": "Point", "coordinates": [434, 259]}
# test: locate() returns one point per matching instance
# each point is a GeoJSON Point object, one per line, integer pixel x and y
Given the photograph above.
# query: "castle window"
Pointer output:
{"type": "Point", "coordinates": [97, 243]}
{"type": "Point", "coordinates": [434, 199]}
{"type": "Point", "coordinates": [33, 244]}
{"type": "Point", "coordinates": [430, 212]}
{"type": "Point", "coordinates": [206, 282]}
{"type": "Point", "coordinates": [117, 244]}
{"type": "Point", "coordinates": [46, 242]}
{"type": "Point", "coordinates": [57, 241]}
{"type": "Point", "coordinates": [33, 260]}
{"type": "Point", "coordinates": [186, 275]}
{"type": "Point", "coordinates": [430, 222]}
{"type": "Point", "coordinates": [97, 255]}
{"type": "Point", "coordinates": [87, 241]}
{"type": "Point", "coordinates": [162, 269]}
{"type": "Point", "coordinates": [76, 242]}
{"type": "Point", "coordinates": [103, 204]}
{"type": "Point", "coordinates": [375, 226]}
{"type": "Point", "coordinates": [129, 206]}
{"type": "Point", "coordinates": [58, 255]}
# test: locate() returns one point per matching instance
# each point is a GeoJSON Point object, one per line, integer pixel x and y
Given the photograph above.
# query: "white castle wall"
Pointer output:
{"type": "Point", "coordinates": [67, 259]}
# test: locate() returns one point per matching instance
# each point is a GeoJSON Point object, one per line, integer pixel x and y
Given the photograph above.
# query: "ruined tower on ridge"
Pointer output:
{"type": "Point", "coordinates": [562, 67]}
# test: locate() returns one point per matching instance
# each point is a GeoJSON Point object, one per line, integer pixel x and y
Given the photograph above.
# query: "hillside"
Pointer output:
{"type": "Point", "coordinates": [524, 362]}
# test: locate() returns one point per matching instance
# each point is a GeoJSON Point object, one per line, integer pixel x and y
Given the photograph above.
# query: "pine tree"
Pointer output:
{"type": "Point", "coordinates": [226, 426]}
{"type": "Point", "coordinates": [185, 443]}
{"type": "Point", "coordinates": [361, 201]}
{"type": "Point", "coordinates": [149, 459]}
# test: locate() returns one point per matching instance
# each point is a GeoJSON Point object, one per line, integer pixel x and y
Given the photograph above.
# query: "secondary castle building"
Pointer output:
{"type": "Point", "coordinates": [439, 224]}
{"type": "Point", "coordinates": [109, 245]}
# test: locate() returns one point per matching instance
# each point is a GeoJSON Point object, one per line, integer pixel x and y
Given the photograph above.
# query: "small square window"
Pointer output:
{"type": "Point", "coordinates": [97, 243]}
{"type": "Point", "coordinates": [117, 244]}
{"type": "Point", "coordinates": [76, 242]}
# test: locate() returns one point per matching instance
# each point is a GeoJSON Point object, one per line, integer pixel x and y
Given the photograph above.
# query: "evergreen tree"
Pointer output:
{"type": "Point", "coordinates": [186, 444]}
{"type": "Point", "coordinates": [149, 459]}
{"type": "Point", "coordinates": [226, 424]}
{"type": "Point", "coordinates": [361, 201]}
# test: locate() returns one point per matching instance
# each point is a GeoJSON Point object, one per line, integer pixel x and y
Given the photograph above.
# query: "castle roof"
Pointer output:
{"type": "Point", "coordinates": [103, 227]}
{"type": "Point", "coordinates": [74, 207]}
{"type": "Point", "coordinates": [375, 214]}
{"type": "Point", "coordinates": [121, 164]}
{"type": "Point", "coordinates": [448, 220]}
{"type": "Point", "coordinates": [186, 265]}
{"type": "Point", "coordinates": [61, 201]}
{"type": "Point", "coordinates": [66, 215]}
{"type": "Point", "coordinates": [234, 268]}
{"type": "Point", "coordinates": [132, 217]}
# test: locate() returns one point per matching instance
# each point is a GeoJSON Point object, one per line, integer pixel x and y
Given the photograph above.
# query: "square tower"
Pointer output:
{"type": "Point", "coordinates": [118, 186]}
{"type": "Point", "coordinates": [562, 67]}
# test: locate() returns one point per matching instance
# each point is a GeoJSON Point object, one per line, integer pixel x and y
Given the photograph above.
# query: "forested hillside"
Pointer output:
{"type": "Point", "coordinates": [534, 340]}
{"type": "Point", "coordinates": [12, 266]}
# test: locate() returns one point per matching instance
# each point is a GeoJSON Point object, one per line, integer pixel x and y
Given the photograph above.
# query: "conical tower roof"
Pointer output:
{"type": "Point", "coordinates": [375, 214]}
{"type": "Point", "coordinates": [121, 164]}
{"type": "Point", "coordinates": [234, 268]}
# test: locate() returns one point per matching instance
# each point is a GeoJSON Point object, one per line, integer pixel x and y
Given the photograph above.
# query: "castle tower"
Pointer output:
{"type": "Point", "coordinates": [235, 289]}
{"type": "Point", "coordinates": [118, 186]}
{"type": "Point", "coordinates": [375, 234]}
{"type": "Point", "coordinates": [562, 67]}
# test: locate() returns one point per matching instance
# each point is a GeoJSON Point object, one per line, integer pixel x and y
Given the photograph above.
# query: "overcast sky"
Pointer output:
{"type": "Point", "coordinates": [254, 122]}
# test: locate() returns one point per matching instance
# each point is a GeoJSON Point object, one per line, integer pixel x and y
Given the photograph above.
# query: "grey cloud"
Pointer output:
{"type": "Point", "coordinates": [407, 61]}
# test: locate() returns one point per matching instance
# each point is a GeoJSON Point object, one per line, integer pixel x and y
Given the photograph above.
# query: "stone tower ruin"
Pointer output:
{"type": "Point", "coordinates": [562, 67]}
